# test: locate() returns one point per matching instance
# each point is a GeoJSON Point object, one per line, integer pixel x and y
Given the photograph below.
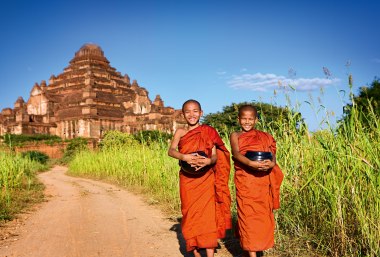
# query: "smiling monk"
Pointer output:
{"type": "Point", "coordinates": [257, 183]}
{"type": "Point", "coordinates": [204, 192]}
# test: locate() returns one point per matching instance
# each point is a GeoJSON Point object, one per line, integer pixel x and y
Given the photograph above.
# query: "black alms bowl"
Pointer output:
{"type": "Point", "coordinates": [258, 156]}
{"type": "Point", "coordinates": [191, 170]}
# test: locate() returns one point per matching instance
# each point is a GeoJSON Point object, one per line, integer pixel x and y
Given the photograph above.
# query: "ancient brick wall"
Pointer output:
{"type": "Point", "coordinates": [54, 151]}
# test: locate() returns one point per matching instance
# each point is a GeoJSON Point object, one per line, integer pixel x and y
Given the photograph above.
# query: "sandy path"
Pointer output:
{"type": "Point", "coordinates": [86, 218]}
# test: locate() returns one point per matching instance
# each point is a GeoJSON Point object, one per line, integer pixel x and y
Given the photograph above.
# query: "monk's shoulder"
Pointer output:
{"type": "Point", "coordinates": [180, 132]}
{"type": "Point", "coordinates": [236, 134]}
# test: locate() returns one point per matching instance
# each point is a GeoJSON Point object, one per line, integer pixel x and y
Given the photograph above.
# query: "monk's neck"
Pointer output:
{"type": "Point", "coordinates": [189, 128]}
{"type": "Point", "coordinates": [250, 131]}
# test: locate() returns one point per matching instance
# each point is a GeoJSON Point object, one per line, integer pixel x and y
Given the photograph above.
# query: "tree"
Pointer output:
{"type": "Point", "coordinates": [369, 94]}
{"type": "Point", "coordinates": [270, 116]}
{"type": "Point", "coordinates": [366, 104]}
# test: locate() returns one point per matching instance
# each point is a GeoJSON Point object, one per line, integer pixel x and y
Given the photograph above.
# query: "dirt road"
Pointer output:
{"type": "Point", "coordinates": [86, 218]}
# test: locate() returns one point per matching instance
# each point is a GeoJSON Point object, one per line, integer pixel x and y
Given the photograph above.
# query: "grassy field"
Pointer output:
{"type": "Point", "coordinates": [331, 190]}
{"type": "Point", "coordinates": [19, 186]}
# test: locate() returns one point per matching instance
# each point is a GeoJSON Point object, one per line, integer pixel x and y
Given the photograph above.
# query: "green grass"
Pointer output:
{"type": "Point", "coordinates": [19, 186]}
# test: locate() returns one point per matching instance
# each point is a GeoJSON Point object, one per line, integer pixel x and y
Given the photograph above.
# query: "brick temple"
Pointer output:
{"type": "Point", "coordinates": [88, 98]}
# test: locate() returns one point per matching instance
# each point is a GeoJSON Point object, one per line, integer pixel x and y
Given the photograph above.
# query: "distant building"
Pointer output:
{"type": "Point", "coordinates": [87, 99]}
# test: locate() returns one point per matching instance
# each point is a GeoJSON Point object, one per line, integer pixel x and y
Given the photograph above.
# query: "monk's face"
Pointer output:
{"type": "Point", "coordinates": [192, 113]}
{"type": "Point", "coordinates": [247, 120]}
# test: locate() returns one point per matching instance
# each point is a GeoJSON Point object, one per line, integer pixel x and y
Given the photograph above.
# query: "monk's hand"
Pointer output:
{"type": "Point", "coordinates": [256, 165]}
{"type": "Point", "coordinates": [201, 161]}
{"type": "Point", "coordinates": [190, 159]}
{"type": "Point", "coordinates": [266, 165]}
{"type": "Point", "coordinates": [259, 165]}
{"type": "Point", "coordinates": [270, 164]}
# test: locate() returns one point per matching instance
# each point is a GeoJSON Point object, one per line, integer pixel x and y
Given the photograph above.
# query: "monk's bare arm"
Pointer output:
{"type": "Point", "coordinates": [173, 148]}
{"type": "Point", "coordinates": [214, 156]}
{"type": "Point", "coordinates": [235, 149]}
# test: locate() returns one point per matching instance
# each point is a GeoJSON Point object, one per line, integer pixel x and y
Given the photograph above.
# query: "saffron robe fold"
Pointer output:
{"type": "Point", "coordinates": [257, 194]}
{"type": "Point", "coordinates": [205, 198]}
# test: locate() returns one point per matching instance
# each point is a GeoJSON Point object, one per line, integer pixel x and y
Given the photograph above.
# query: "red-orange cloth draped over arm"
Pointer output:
{"type": "Point", "coordinates": [257, 194]}
{"type": "Point", "coordinates": [205, 199]}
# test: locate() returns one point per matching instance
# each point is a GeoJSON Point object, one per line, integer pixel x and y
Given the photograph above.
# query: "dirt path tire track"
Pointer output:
{"type": "Point", "coordinates": [86, 218]}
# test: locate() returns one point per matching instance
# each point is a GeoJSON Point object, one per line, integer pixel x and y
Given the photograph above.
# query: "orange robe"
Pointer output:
{"type": "Point", "coordinates": [205, 198]}
{"type": "Point", "coordinates": [257, 194]}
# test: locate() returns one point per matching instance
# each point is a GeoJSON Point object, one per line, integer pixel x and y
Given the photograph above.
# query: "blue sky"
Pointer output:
{"type": "Point", "coordinates": [218, 52]}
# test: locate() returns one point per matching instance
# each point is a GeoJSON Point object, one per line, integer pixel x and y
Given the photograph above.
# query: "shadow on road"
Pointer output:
{"type": "Point", "coordinates": [230, 243]}
{"type": "Point", "coordinates": [181, 241]}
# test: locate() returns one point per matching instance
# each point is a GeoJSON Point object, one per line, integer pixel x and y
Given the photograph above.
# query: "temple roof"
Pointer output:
{"type": "Point", "coordinates": [89, 51]}
{"type": "Point", "coordinates": [20, 100]}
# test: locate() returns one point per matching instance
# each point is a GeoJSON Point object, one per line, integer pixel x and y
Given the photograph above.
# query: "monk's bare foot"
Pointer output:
{"type": "Point", "coordinates": [196, 253]}
{"type": "Point", "coordinates": [255, 254]}
{"type": "Point", "coordinates": [210, 252]}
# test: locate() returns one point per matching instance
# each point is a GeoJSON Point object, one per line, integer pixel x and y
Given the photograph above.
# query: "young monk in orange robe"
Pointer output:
{"type": "Point", "coordinates": [257, 184]}
{"type": "Point", "coordinates": [205, 196]}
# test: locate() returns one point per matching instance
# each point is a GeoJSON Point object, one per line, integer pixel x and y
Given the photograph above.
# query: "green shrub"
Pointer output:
{"type": "Point", "coordinates": [116, 139]}
{"type": "Point", "coordinates": [75, 145]}
{"type": "Point", "coordinates": [36, 156]}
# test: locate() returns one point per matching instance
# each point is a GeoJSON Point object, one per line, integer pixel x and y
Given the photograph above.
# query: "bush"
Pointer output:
{"type": "Point", "coordinates": [75, 145]}
{"type": "Point", "coordinates": [116, 139]}
{"type": "Point", "coordinates": [150, 136]}
{"type": "Point", "coordinates": [36, 156]}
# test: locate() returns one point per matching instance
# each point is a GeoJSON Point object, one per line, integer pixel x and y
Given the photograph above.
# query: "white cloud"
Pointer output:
{"type": "Point", "coordinates": [267, 82]}
{"type": "Point", "coordinates": [220, 73]}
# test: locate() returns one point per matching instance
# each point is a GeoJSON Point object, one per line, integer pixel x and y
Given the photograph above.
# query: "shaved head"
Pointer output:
{"type": "Point", "coordinates": [247, 107]}
{"type": "Point", "coordinates": [191, 101]}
